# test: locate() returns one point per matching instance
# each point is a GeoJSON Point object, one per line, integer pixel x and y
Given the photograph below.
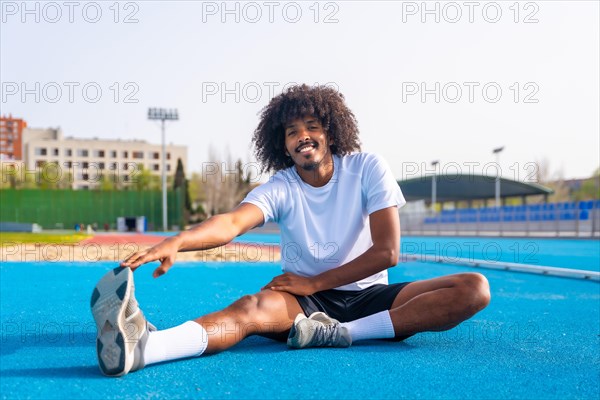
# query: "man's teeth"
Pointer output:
{"type": "Point", "coordinates": [305, 148]}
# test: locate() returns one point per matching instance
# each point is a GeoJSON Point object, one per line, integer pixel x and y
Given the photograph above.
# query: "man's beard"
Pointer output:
{"type": "Point", "coordinates": [313, 165]}
{"type": "Point", "coordinates": [310, 166]}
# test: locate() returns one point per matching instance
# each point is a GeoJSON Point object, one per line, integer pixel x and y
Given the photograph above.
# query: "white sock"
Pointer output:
{"type": "Point", "coordinates": [186, 340]}
{"type": "Point", "coordinates": [375, 326]}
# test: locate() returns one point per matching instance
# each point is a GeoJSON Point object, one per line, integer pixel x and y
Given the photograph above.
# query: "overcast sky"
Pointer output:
{"type": "Point", "coordinates": [449, 81]}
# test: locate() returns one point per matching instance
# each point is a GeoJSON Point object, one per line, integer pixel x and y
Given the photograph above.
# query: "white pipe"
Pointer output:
{"type": "Point", "coordinates": [507, 266]}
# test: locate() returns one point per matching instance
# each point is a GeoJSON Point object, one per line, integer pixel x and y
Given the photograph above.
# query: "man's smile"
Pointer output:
{"type": "Point", "coordinates": [306, 147]}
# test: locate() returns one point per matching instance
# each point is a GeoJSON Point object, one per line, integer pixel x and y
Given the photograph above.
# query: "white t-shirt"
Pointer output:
{"type": "Point", "coordinates": [325, 227]}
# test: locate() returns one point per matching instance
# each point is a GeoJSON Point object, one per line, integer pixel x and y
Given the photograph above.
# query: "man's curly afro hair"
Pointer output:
{"type": "Point", "coordinates": [322, 102]}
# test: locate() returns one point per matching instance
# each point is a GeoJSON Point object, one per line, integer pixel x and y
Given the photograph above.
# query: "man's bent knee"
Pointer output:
{"type": "Point", "coordinates": [263, 306]}
{"type": "Point", "coordinates": [474, 291]}
{"type": "Point", "coordinates": [245, 306]}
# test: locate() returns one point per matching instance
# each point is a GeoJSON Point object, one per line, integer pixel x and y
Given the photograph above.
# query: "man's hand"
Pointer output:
{"type": "Point", "coordinates": [165, 252]}
{"type": "Point", "coordinates": [292, 283]}
{"type": "Point", "coordinates": [215, 231]}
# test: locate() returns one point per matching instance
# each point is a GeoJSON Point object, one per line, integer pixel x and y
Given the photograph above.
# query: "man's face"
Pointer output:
{"type": "Point", "coordinates": [307, 143]}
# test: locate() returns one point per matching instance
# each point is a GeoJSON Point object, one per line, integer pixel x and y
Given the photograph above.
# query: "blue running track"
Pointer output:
{"type": "Point", "coordinates": [538, 339]}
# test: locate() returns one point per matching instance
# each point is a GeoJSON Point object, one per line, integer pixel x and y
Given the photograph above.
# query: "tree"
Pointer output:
{"type": "Point", "coordinates": [590, 188]}
{"type": "Point", "coordinates": [179, 175]}
{"type": "Point", "coordinates": [180, 183]}
{"type": "Point", "coordinates": [554, 181]}
{"type": "Point", "coordinates": [144, 180]}
{"type": "Point", "coordinates": [196, 190]}
{"type": "Point", "coordinates": [542, 172]}
{"type": "Point", "coordinates": [107, 183]}
{"type": "Point", "coordinates": [222, 184]}
{"type": "Point", "coordinates": [10, 176]}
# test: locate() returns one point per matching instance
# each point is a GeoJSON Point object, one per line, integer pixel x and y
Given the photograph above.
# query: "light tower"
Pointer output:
{"type": "Point", "coordinates": [497, 152]}
{"type": "Point", "coordinates": [433, 186]}
{"type": "Point", "coordinates": [162, 115]}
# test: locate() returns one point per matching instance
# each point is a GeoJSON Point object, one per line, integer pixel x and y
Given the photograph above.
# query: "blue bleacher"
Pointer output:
{"type": "Point", "coordinates": [567, 215]}
{"type": "Point", "coordinates": [548, 216]}
{"type": "Point", "coordinates": [586, 205]}
{"type": "Point", "coordinates": [565, 211]}
{"type": "Point", "coordinates": [566, 205]}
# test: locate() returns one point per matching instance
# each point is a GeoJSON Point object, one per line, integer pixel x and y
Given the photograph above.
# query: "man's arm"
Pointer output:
{"type": "Point", "coordinates": [214, 232]}
{"type": "Point", "coordinates": [385, 234]}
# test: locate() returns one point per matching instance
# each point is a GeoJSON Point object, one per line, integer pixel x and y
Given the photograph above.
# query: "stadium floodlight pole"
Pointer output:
{"type": "Point", "coordinates": [162, 115]}
{"type": "Point", "coordinates": [433, 186]}
{"type": "Point", "coordinates": [497, 152]}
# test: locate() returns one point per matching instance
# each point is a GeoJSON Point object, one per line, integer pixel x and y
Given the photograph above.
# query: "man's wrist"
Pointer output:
{"type": "Point", "coordinates": [179, 240]}
{"type": "Point", "coordinates": [318, 283]}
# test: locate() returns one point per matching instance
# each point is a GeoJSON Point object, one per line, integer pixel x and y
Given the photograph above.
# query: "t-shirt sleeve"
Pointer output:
{"type": "Point", "coordinates": [266, 197]}
{"type": "Point", "coordinates": [380, 186]}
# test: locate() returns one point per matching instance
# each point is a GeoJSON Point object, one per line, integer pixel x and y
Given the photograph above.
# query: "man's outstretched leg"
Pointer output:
{"type": "Point", "coordinates": [127, 342]}
{"type": "Point", "coordinates": [430, 305]}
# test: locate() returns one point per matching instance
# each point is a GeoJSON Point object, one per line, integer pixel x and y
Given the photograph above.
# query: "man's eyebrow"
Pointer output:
{"type": "Point", "coordinates": [311, 120]}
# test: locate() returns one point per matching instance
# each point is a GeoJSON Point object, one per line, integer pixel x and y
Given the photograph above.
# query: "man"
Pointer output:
{"type": "Point", "coordinates": [338, 213]}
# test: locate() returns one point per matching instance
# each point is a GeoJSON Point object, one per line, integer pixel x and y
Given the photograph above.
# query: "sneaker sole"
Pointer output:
{"type": "Point", "coordinates": [108, 303]}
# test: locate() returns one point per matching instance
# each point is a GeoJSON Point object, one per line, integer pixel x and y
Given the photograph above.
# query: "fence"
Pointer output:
{"type": "Point", "coordinates": [62, 209]}
{"type": "Point", "coordinates": [574, 219]}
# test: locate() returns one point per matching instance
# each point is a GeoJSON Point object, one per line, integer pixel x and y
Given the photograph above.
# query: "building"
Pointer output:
{"type": "Point", "coordinates": [87, 160]}
{"type": "Point", "coordinates": [11, 138]}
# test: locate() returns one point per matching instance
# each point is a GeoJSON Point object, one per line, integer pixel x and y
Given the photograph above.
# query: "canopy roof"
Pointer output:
{"type": "Point", "coordinates": [459, 187]}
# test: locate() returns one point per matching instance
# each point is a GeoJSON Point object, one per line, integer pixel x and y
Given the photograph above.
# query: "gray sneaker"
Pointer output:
{"type": "Point", "coordinates": [318, 330]}
{"type": "Point", "coordinates": [122, 327]}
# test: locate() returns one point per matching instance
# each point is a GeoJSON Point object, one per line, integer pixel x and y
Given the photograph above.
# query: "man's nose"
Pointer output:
{"type": "Point", "coordinates": [303, 135]}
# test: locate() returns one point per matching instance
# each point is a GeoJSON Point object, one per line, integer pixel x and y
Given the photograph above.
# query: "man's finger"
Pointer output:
{"type": "Point", "coordinates": [159, 272]}
{"type": "Point", "coordinates": [163, 268]}
{"type": "Point", "coordinates": [133, 258]}
{"type": "Point", "coordinates": [134, 263]}
{"type": "Point", "coordinates": [140, 258]}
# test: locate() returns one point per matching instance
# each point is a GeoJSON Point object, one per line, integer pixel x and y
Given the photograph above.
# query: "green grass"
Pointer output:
{"type": "Point", "coordinates": [56, 238]}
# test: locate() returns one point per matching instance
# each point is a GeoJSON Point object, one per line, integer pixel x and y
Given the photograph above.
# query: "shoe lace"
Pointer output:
{"type": "Point", "coordinates": [326, 335]}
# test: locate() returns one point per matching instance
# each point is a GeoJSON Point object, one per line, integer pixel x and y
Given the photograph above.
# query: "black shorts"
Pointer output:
{"type": "Point", "coordinates": [349, 305]}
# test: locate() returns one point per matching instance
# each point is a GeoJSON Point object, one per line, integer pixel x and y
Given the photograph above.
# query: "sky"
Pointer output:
{"type": "Point", "coordinates": [446, 81]}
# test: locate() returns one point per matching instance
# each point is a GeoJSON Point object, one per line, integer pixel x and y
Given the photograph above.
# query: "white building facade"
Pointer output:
{"type": "Point", "coordinates": [89, 160]}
